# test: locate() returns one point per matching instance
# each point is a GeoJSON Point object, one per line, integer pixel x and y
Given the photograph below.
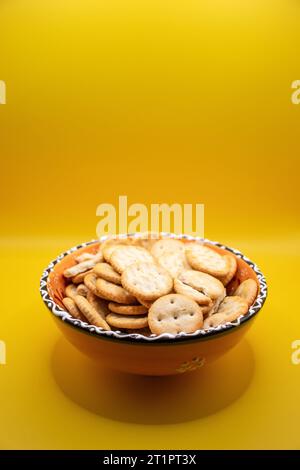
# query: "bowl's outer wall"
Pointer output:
{"type": "Point", "coordinates": [151, 358]}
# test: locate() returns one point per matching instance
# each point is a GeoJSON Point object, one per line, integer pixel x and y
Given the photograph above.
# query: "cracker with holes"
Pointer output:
{"type": "Point", "coordinates": [158, 285]}
{"type": "Point", "coordinates": [127, 309]}
{"type": "Point", "coordinates": [205, 259]}
{"type": "Point", "coordinates": [175, 313]}
{"type": "Point", "coordinates": [229, 310]}
{"type": "Point", "coordinates": [147, 281]}
{"type": "Point", "coordinates": [107, 272]}
{"type": "Point", "coordinates": [124, 321]}
{"type": "Point", "coordinates": [109, 291]}
{"type": "Point", "coordinates": [201, 287]}
{"type": "Point", "coordinates": [124, 256]}
{"type": "Point", "coordinates": [247, 290]}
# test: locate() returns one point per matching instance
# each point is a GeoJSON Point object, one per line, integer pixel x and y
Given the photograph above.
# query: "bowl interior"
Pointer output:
{"type": "Point", "coordinates": [57, 282]}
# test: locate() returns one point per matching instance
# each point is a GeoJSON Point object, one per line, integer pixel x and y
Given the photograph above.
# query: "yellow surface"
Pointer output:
{"type": "Point", "coordinates": [163, 102]}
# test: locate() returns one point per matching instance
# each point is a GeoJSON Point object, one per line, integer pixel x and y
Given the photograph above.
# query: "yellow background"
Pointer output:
{"type": "Point", "coordinates": [163, 101]}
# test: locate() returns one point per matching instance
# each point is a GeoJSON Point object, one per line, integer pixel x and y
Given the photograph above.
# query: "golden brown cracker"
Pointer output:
{"type": "Point", "coordinates": [123, 321]}
{"type": "Point", "coordinates": [203, 258]}
{"type": "Point", "coordinates": [70, 291]}
{"type": "Point", "coordinates": [174, 313]}
{"type": "Point", "coordinates": [107, 272]}
{"type": "Point", "coordinates": [124, 256]}
{"type": "Point", "coordinates": [113, 292]}
{"type": "Point", "coordinates": [248, 291]}
{"type": "Point", "coordinates": [127, 309]}
{"type": "Point", "coordinates": [167, 245]}
{"type": "Point", "coordinates": [201, 287]}
{"type": "Point", "coordinates": [232, 267]}
{"type": "Point", "coordinates": [147, 281]}
{"type": "Point", "coordinates": [90, 312]}
{"type": "Point", "coordinates": [73, 309]}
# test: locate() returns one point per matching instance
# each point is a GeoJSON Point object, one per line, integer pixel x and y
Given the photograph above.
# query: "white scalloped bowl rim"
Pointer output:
{"type": "Point", "coordinates": [136, 337]}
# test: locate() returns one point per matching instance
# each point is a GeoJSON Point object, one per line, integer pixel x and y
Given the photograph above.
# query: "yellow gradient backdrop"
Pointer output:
{"type": "Point", "coordinates": [162, 101]}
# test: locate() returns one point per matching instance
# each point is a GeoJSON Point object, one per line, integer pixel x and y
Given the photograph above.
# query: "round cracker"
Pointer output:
{"type": "Point", "coordinates": [96, 257]}
{"type": "Point", "coordinates": [202, 287]}
{"type": "Point", "coordinates": [184, 289]}
{"type": "Point", "coordinates": [232, 267]}
{"type": "Point", "coordinates": [73, 309]}
{"type": "Point", "coordinates": [175, 313]}
{"type": "Point", "coordinates": [124, 256]}
{"type": "Point", "coordinates": [90, 312]}
{"type": "Point", "coordinates": [79, 268]}
{"type": "Point", "coordinates": [107, 272]}
{"type": "Point", "coordinates": [100, 305]}
{"type": "Point", "coordinates": [167, 245]}
{"type": "Point", "coordinates": [71, 291]}
{"type": "Point", "coordinates": [82, 290]}
{"type": "Point", "coordinates": [233, 307]}
{"type": "Point", "coordinates": [229, 310]}
{"type": "Point", "coordinates": [247, 290]}
{"type": "Point", "coordinates": [147, 281]}
{"type": "Point", "coordinates": [110, 291]}
{"type": "Point", "coordinates": [203, 258]}
{"type": "Point", "coordinates": [84, 257]}
{"type": "Point", "coordinates": [127, 309]}
{"type": "Point", "coordinates": [90, 282]}
{"type": "Point", "coordinates": [123, 321]}
{"type": "Point", "coordinates": [79, 278]}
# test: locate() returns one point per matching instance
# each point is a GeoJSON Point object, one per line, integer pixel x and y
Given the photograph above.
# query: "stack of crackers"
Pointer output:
{"type": "Point", "coordinates": [155, 286]}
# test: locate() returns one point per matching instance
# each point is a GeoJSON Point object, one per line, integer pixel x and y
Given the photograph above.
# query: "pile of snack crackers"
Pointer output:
{"type": "Point", "coordinates": [155, 286]}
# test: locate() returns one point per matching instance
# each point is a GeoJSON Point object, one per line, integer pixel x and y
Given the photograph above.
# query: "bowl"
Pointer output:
{"type": "Point", "coordinates": [158, 355]}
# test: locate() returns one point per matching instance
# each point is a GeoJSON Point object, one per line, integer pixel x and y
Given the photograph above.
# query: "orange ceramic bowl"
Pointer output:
{"type": "Point", "coordinates": [165, 354]}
